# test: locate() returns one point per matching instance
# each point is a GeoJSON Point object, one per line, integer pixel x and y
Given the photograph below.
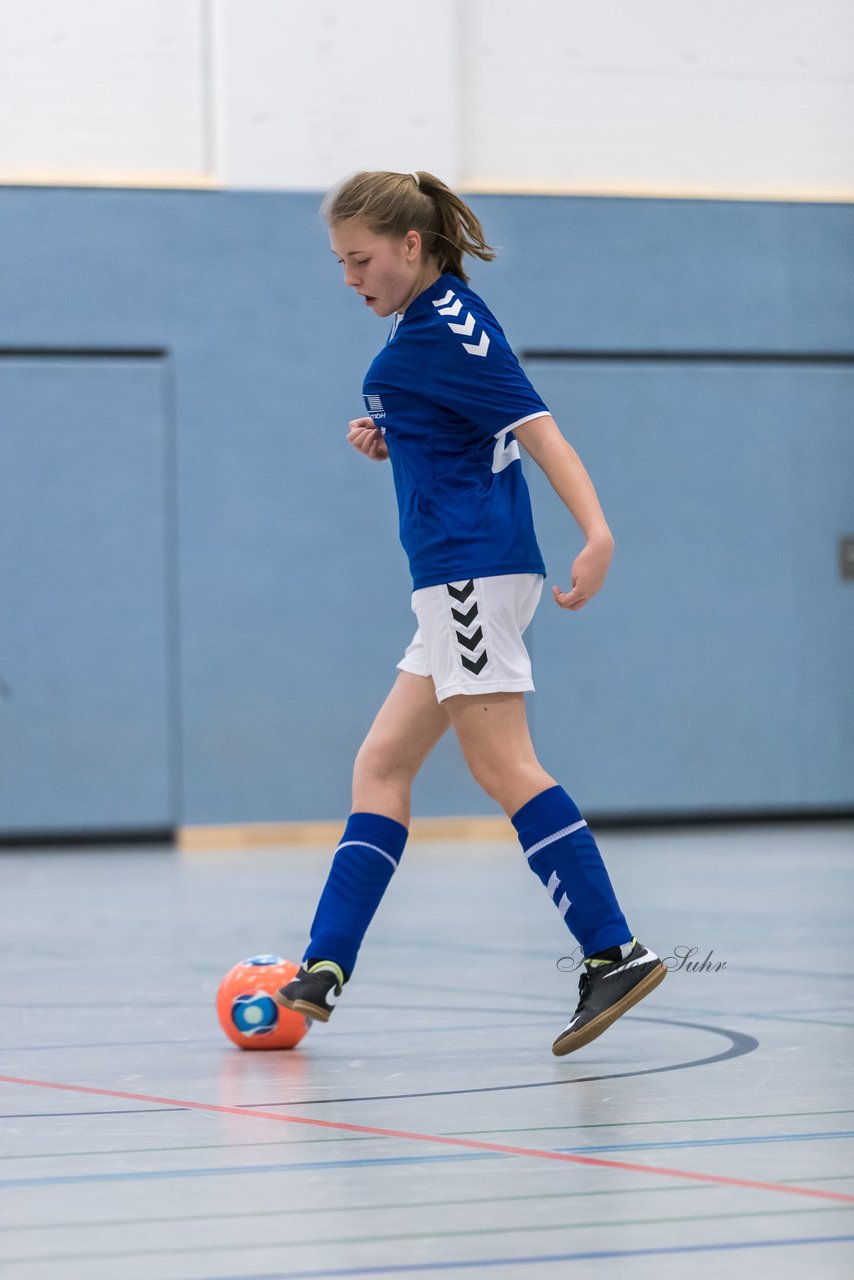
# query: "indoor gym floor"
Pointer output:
{"type": "Point", "coordinates": [708, 1133]}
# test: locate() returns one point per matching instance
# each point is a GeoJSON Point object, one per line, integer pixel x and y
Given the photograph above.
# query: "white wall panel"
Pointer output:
{"type": "Point", "coordinates": [95, 90]}
{"type": "Point", "coordinates": [310, 91]}
{"type": "Point", "coordinates": [741, 97]}
{"type": "Point", "coordinates": [749, 98]}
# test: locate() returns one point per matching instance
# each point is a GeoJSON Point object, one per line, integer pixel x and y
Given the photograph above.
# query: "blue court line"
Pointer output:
{"type": "Point", "coordinates": [538, 1259]}
{"type": "Point", "coordinates": [710, 1142]}
{"type": "Point", "coordinates": [230, 1171]}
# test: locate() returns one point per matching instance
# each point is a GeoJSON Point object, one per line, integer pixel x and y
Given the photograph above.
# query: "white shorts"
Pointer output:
{"type": "Point", "coordinates": [469, 636]}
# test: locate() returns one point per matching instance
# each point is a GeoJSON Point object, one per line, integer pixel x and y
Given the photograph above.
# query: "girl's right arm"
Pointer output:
{"type": "Point", "coordinates": [543, 439]}
{"type": "Point", "coordinates": [365, 436]}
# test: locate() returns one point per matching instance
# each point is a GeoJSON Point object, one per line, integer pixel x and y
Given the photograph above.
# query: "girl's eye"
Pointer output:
{"type": "Point", "coordinates": [363, 263]}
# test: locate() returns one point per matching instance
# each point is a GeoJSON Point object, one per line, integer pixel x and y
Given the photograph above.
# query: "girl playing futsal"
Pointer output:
{"type": "Point", "coordinates": [448, 403]}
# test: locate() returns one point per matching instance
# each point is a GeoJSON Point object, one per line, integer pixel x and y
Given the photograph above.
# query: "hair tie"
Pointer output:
{"type": "Point", "coordinates": [416, 178]}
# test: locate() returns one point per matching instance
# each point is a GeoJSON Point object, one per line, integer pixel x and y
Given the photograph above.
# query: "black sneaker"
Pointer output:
{"type": "Point", "coordinates": [605, 992]}
{"type": "Point", "coordinates": [311, 993]}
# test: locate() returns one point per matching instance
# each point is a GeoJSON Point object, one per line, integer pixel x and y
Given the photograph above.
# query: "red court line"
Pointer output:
{"type": "Point", "coordinates": [468, 1143]}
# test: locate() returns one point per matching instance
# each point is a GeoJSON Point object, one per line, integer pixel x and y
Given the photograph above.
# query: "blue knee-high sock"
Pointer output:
{"type": "Point", "coordinates": [363, 865]}
{"type": "Point", "coordinates": [562, 852]}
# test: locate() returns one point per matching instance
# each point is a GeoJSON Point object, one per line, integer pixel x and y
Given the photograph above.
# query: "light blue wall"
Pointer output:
{"type": "Point", "coordinates": [713, 674]}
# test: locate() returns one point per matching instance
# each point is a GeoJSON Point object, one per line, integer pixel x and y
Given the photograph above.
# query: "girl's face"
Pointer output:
{"type": "Point", "coordinates": [388, 273]}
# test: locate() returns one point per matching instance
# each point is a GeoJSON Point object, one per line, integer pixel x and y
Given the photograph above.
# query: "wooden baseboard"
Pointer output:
{"type": "Point", "coordinates": [253, 835]}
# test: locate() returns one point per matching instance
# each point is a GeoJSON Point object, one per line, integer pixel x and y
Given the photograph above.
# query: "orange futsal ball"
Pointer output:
{"type": "Point", "coordinates": [247, 1011]}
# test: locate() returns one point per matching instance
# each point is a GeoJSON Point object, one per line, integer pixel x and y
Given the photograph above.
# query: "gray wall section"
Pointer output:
{"type": "Point", "coordinates": [716, 666]}
{"type": "Point", "coordinates": [88, 723]}
{"type": "Point", "coordinates": [711, 674]}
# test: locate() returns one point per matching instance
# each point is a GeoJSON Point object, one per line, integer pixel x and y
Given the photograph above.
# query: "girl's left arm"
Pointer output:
{"type": "Point", "coordinates": [543, 440]}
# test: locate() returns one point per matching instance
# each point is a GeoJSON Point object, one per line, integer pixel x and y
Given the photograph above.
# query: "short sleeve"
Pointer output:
{"type": "Point", "coordinates": [475, 374]}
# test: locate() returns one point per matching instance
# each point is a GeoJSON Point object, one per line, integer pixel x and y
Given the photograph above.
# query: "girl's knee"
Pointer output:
{"type": "Point", "coordinates": [491, 778]}
{"type": "Point", "coordinates": [381, 758]}
{"type": "Point", "coordinates": [510, 785]}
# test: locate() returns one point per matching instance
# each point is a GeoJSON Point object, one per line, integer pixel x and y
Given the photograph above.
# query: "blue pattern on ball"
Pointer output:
{"type": "Point", "coordinates": [255, 1013]}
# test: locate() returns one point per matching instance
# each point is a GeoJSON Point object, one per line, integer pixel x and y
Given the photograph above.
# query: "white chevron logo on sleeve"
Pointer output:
{"type": "Point", "coordinates": [480, 348]}
{"type": "Point", "coordinates": [451, 305]}
{"type": "Point", "coordinates": [465, 328]}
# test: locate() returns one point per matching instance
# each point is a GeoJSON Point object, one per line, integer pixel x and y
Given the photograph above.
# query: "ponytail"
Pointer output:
{"type": "Point", "coordinates": [390, 204]}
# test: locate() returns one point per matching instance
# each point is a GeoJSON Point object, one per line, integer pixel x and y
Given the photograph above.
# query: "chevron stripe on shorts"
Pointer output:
{"type": "Point", "coordinates": [467, 626]}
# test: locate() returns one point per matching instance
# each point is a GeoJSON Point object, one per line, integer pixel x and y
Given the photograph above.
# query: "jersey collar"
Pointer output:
{"type": "Point", "coordinates": [423, 300]}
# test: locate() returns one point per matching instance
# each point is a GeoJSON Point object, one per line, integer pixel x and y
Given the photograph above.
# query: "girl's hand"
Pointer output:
{"type": "Point", "coordinates": [367, 438]}
{"type": "Point", "coordinates": [588, 574]}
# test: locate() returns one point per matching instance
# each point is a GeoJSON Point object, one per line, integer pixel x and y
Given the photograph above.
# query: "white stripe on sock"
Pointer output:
{"type": "Point", "coordinates": [364, 845]}
{"type": "Point", "coordinates": [564, 905]}
{"type": "Point", "coordinates": [558, 835]}
{"type": "Point", "coordinates": [553, 884]}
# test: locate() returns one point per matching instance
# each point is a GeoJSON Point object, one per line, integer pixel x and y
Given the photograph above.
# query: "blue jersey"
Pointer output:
{"type": "Point", "coordinates": [446, 390]}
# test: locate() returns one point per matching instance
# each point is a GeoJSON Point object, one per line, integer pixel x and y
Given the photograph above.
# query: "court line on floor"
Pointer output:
{"type": "Point", "coordinates": [457, 1133]}
{"type": "Point", "coordinates": [739, 1045]}
{"type": "Point", "coordinates": [643, 1124]}
{"type": "Point", "coordinates": [255, 1170]}
{"type": "Point", "coordinates": [468, 1144]}
{"type": "Point", "coordinates": [237, 1170]}
{"type": "Point", "coordinates": [61, 1115]}
{"type": "Point", "coordinates": [766, 1017]}
{"type": "Point", "coordinates": [314, 1242]}
{"type": "Point", "coordinates": [734, 1141]}
{"type": "Point", "coordinates": [285, 1210]}
{"type": "Point", "coordinates": [405, 1268]}
{"type": "Point", "coordinates": [534, 1019]}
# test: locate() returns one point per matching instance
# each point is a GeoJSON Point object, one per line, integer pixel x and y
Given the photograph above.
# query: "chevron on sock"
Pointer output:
{"type": "Point", "coordinates": [364, 863]}
{"type": "Point", "coordinates": [561, 851]}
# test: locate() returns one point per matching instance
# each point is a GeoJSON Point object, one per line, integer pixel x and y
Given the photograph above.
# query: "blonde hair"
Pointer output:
{"type": "Point", "coordinates": [390, 204]}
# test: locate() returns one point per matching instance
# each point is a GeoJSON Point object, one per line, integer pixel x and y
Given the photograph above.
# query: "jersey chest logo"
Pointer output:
{"type": "Point", "coordinates": [375, 406]}
{"type": "Point", "coordinates": [451, 305]}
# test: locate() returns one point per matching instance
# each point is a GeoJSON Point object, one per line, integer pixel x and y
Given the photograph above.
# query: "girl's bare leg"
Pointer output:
{"type": "Point", "coordinates": [407, 727]}
{"type": "Point", "coordinates": [493, 733]}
